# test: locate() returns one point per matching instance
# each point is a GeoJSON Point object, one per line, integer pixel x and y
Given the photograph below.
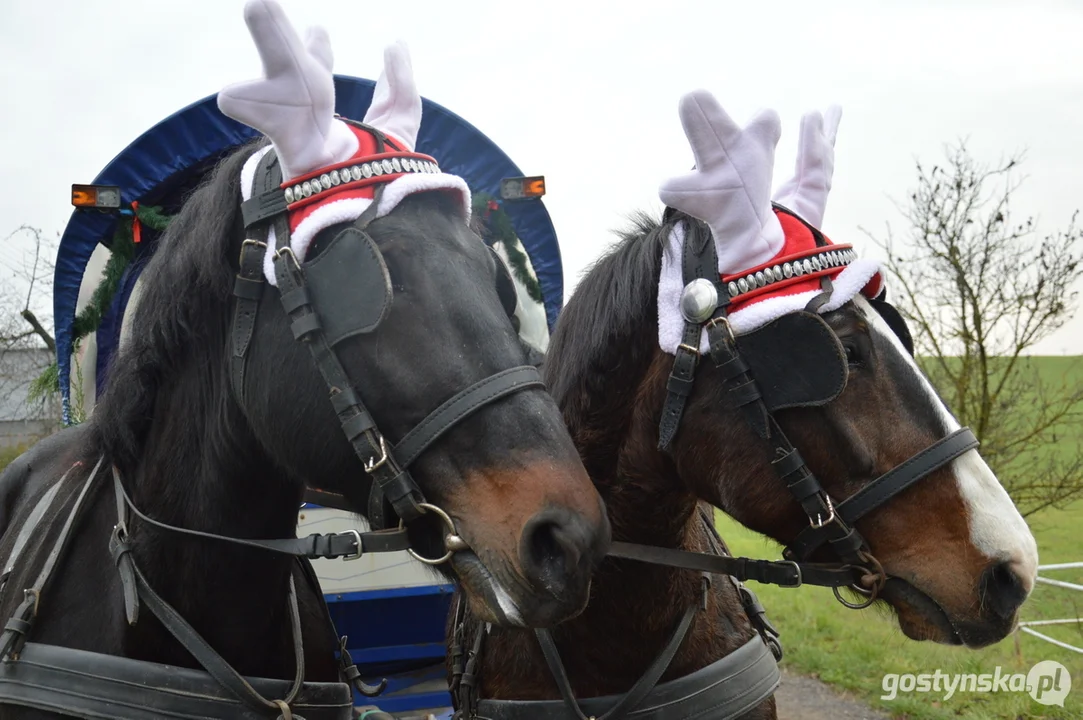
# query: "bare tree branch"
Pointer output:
{"type": "Point", "coordinates": [980, 290]}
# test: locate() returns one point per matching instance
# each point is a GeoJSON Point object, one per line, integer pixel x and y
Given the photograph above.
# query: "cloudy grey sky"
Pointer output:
{"type": "Point", "coordinates": [583, 92]}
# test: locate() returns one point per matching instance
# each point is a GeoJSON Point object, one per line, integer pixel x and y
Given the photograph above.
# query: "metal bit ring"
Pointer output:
{"type": "Point", "coordinates": [452, 542]}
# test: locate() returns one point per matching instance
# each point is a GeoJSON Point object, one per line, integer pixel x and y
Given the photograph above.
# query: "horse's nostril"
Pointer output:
{"type": "Point", "coordinates": [545, 548]}
{"type": "Point", "coordinates": [1002, 590]}
{"type": "Point", "coordinates": [551, 545]}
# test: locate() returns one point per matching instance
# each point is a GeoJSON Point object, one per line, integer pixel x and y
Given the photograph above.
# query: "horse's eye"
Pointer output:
{"type": "Point", "coordinates": [853, 357]}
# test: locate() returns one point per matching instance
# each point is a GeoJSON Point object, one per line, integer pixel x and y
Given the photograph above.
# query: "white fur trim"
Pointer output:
{"type": "Point", "coordinates": [248, 172]}
{"type": "Point", "coordinates": [348, 209]}
{"type": "Point", "coordinates": [332, 213]}
{"type": "Point", "coordinates": [410, 184]}
{"type": "Point", "coordinates": [671, 283]}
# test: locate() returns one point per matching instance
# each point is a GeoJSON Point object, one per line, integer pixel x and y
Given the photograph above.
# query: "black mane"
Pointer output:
{"type": "Point", "coordinates": [607, 334]}
{"type": "Point", "coordinates": [181, 318]}
{"type": "Point", "coordinates": [597, 331]}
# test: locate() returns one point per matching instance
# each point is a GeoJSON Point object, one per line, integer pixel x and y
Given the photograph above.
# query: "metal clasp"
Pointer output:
{"type": "Point", "coordinates": [729, 330]}
{"type": "Point", "coordinates": [287, 251]}
{"type": "Point", "coordinates": [817, 523]}
{"type": "Point", "coordinates": [374, 463]}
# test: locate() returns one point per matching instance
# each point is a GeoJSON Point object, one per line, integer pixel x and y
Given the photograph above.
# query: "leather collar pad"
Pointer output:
{"type": "Point", "coordinates": [349, 284]}
{"type": "Point", "coordinates": [797, 361]}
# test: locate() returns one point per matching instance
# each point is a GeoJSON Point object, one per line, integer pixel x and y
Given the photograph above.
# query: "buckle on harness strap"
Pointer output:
{"type": "Point", "coordinates": [360, 550]}
{"type": "Point", "coordinates": [797, 569]}
{"type": "Point", "coordinates": [372, 464]}
{"type": "Point", "coordinates": [817, 523]}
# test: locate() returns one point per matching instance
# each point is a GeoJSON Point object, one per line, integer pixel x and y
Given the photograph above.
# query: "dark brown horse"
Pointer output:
{"type": "Point", "coordinates": [959, 558]}
{"type": "Point", "coordinates": [732, 355]}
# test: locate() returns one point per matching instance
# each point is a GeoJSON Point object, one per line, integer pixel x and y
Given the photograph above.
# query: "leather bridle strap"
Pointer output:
{"type": "Point", "coordinates": [783, 573]}
{"type": "Point", "coordinates": [462, 404]}
{"type": "Point", "coordinates": [699, 260]}
{"type": "Point", "coordinates": [647, 682]}
{"type": "Point", "coordinates": [208, 658]}
{"type": "Point", "coordinates": [350, 544]}
{"type": "Point", "coordinates": [887, 486]}
{"type": "Point", "coordinates": [357, 422]}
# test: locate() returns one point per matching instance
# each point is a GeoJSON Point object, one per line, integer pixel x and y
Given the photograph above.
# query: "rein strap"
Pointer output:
{"type": "Point", "coordinates": [783, 573]}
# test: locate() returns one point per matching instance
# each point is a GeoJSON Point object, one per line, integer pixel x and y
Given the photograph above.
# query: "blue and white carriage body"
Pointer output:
{"type": "Point", "coordinates": [391, 607]}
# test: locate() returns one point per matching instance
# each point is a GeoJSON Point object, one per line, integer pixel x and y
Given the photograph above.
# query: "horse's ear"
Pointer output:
{"type": "Point", "coordinates": [895, 321]}
{"type": "Point", "coordinates": [797, 361]}
{"type": "Point", "coordinates": [534, 356]}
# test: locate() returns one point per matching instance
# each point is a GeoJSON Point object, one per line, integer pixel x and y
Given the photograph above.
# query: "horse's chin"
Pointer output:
{"type": "Point", "coordinates": [493, 602]}
{"type": "Point", "coordinates": [922, 618]}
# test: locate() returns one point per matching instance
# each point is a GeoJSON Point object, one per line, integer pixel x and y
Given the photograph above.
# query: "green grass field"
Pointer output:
{"type": "Point", "coordinates": [854, 649]}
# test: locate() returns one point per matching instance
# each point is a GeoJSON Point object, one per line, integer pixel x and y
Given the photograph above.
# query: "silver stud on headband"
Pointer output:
{"type": "Point", "coordinates": [699, 300]}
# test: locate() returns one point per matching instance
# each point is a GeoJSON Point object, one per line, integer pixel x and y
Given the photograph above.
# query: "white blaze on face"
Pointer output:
{"type": "Point", "coordinates": [997, 530]}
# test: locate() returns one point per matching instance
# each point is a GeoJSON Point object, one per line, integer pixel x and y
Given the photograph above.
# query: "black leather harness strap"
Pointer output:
{"type": "Point", "coordinates": [888, 485]}
{"type": "Point", "coordinates": [18, 626]}
{"type": "Point", "coordinates": [357, 422]}
{"type": "Point", "coordinates": [647, 682]}
{"type": "Point", "coordinates": [769, 572]}
{"type": "Point", "coordinates": [699, 260]}
{"type": "Point", "coordinates": [461, 405]}
{"type": "Point", "coordinates": [210, 660]}
{"type": "Point", "coordinates": [91, 685]}
{"type": "Point", "coordinates": [351, 544]}
{"type": "Point", "coordinates": [725, 689]}
{"type": "Point", "coordinates": [106, 687]}
{"type": "Point", "coordinates": [259, 213]}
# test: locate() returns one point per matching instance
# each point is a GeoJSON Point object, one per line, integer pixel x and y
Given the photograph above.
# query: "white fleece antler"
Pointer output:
{"type": "Point", "coordinates": [294, 103]}
{"type": "Point", "coordinates": [730, 189]}
{"type": "Point", "coordinates": [806, 192]}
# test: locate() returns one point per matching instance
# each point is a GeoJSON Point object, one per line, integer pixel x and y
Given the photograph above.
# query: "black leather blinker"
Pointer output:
{"type": "Point", "coordinates": [797, 361]}
{"type": "Point", "coordinates": [348, 282]}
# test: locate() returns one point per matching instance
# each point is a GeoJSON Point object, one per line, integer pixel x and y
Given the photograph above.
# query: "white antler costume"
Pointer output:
{"type": "Point", "coordinates": [770, 262]}
{"type": "Point", "coordinates": [294, 105]}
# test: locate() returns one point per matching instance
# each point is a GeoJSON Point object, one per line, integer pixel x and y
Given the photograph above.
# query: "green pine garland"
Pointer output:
{"type": "Point", "coordinates": [498, 228]}
{"type": "Point", "coordinates": [90, 319]}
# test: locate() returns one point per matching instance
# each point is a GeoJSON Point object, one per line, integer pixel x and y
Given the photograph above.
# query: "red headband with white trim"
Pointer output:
{"type": "Point", "coordinates": [770, 260]}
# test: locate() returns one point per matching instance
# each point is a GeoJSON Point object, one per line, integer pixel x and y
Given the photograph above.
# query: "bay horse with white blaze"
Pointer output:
{"type": "Point", "coordinates": [732, 356]}
{"type": "Point", "coordinates": [163, 530]}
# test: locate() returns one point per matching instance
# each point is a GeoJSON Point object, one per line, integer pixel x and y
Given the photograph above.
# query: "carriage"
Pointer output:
{"type": "Point", "coordinates": [113, 232]}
